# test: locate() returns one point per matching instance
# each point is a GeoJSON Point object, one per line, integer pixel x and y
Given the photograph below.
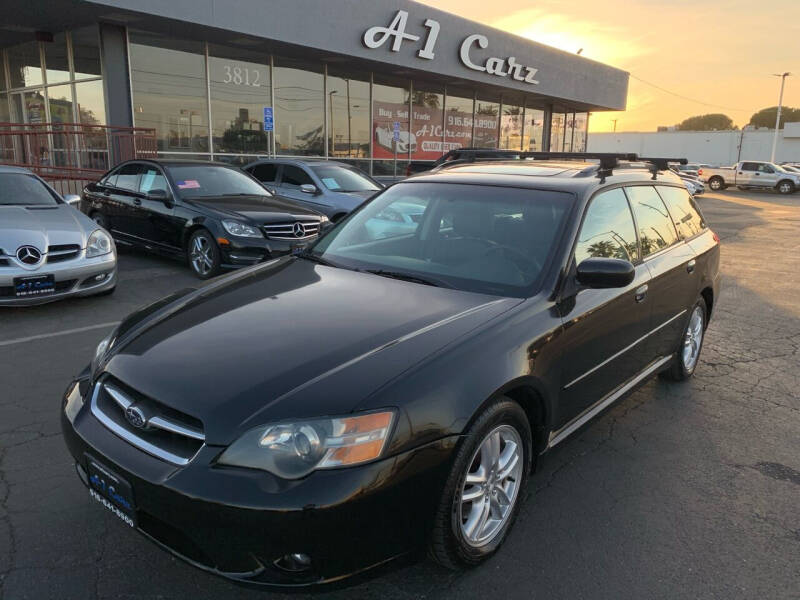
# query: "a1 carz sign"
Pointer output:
{"type": "Point", "coordinates": [377, 36]}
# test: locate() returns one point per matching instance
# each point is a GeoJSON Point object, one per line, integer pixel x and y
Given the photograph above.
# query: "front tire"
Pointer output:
{"type": "Point", "coordinates": [484, 491]}
{"type": "Point", "coordinates": [716, 183]}
{"type": "Point", "coordinates": [785, 187]}
{"type": "Point", "coordinates": [691, 344]}
{"type": "Point", "coordinates": [203, 254]}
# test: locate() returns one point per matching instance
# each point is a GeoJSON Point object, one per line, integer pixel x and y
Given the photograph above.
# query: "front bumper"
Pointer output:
{"type": "Point", "coordinates": [75, 277]}
{"type": "Point", "coordinates": [242, 252]}
{"type": "Point", "coordinates": [239, 523]}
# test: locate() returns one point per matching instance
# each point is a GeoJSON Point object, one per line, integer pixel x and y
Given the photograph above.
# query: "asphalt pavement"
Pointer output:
{"type": "Point", "coordinates": [679, 491]}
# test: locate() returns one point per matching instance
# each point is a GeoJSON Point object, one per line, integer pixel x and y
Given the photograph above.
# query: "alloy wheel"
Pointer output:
{"type": "Point", "coordinates": [785, 188]}
{"type": "Point", "coordinates": [200, 255]}
{"type": "Point", "coordinates": [491, 486]}
{"type": "Point", "coordinates": [693, 339]}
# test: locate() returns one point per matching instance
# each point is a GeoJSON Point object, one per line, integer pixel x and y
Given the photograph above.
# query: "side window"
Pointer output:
{"type": "Point", "coordinates": [152, 179]}
{"type": "Point", "coordinates": [688, 220]}
{"type": "Point", "coordinates": [128, 177]}
{"type": "Point", "coordinates": [111, 179]}
{"type": "Point", "coordinates": [608, 230]}
{"type": "Point", "coordinates": [294, 177]}
{"type": "Point", "coordinates": [265, 173]}
{"type": "Point", "coordinates": [762, 168]}
{"type": "Point", "coordinates": [656, 230]}
{"type": "Point", "coordinates": [748, 166]}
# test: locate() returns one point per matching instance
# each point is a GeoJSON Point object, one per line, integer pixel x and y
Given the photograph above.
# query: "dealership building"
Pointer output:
{"type": "Point", "coordinates": [366, 81]}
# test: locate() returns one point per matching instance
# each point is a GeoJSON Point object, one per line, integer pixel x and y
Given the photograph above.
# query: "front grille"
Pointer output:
{"type": "Point", "coordinates": [62, 252]}
{"type": "Point", "coordinates": [166, 433]}
{"type": "Point", "coordinates": [288, 230]}
{"type": "Point", "coordinates": [4, 262]}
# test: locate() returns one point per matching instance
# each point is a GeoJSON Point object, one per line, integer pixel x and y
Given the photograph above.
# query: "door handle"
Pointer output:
{"type": "Point", "coordinates": [690, 266]}
{"type": "Point", "coordinates": [640, 293]}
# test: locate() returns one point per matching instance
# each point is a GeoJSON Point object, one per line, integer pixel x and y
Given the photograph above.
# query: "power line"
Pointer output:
{"type": "Point", "coordinates": [666, 91]}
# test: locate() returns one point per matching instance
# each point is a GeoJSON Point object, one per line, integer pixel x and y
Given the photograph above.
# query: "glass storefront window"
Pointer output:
{"type": "Point", "coordinates": [534, 130]}
{"type": "Point", "coordinates": [86, 52]}
{"type": "Point", "coordinates": [348, 116]}
{"type": "Point", "coordinates": [486, 121]}
{"type": "Point", "coordinates": [299, 108]}
{"type": "Point", "coordinates": [55, 59]}
{"type": "Point", "coordinates": [33, 105]}
{"type": "Point", "coordinates": [458, 121]}
{"type": "Point", "coordinates": [579, 135]}
{"type": "Point", "coordinates": [240, 90]}
{"type": "Point", "coordinates": [91, 102]}
{"type": "Point", "coordinates": [24, 65]}
{"type": "Point", "coordinates": [390, 106]}
{"type": "Point", "coordinates": [558, 124]}
{"type": "Point", "coordinates": [3, 85]}
{"type": "Point", "coordinates": [169, 91]}
{"type": "Point", "coordinates": [569, 130]}
{"type": "Point", "coordinates": [426, 123]}
{"type": "Point", "coordinates": [5, 114]}
{"type": "Point", "coordinates": [511, 127]}
{"type": "Point", "coordinates": [60, 99]}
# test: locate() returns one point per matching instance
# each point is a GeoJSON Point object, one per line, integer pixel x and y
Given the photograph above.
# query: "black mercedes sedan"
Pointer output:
{"type": "Point", "coordinates": [213, 215]}
{"type": "Point", "coordinates": [388, 390]}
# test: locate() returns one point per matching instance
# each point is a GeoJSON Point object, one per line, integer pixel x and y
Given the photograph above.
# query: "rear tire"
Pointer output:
{"type": "Point", "coordinates": [785, 187]}
{"type": "Point", "coordinates": [688, 353]}
{"type": "Point", "coordinates": [716, 183]}
{"type": "Point", "coordinates": [475, 515]}
{"type": "Point", "coordinates": [203, 254]}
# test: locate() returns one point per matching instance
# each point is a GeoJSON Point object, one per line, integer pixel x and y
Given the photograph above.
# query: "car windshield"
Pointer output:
{"type": "Point", "coordinates": [493, 240]}
{"type": "Point", "coordinates": [204, 181]}
{"type": "Point", "coordinates": [342, 179]}
{"type": "Point", "coordinates": [21, 189]}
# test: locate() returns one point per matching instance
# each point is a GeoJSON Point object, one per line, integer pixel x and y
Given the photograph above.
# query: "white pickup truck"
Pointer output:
{"type": "Point", "coordinates": [751, 174]}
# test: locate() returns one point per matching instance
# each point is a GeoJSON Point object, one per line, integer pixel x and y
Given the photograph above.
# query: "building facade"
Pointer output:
{"type": "Point", "coordinates": [369, 82]}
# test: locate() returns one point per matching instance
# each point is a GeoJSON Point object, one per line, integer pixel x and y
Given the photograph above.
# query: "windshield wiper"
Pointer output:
{"type": "Point", "coordinates": [408, 277]}
{"type": "Point", "coordinates": [308, 255]}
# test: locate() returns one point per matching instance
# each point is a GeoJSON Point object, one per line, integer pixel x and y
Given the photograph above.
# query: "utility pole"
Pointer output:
{"type": "Point", "coordinates": [614, 121]}
{"type": "Point", "coordinates": [783, 77]}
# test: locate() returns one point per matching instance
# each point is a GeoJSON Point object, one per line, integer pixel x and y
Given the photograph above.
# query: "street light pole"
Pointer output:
{"type": "Point", "coordinates": [783, 77]}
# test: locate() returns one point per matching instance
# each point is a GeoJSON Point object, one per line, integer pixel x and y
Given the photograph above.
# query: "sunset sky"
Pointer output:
{"type": "Point", "coordinates": [720, 52]}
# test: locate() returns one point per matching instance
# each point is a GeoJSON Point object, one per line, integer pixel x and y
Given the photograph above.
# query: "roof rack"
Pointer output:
{"type": "Point", "coordinates": [608, 160]}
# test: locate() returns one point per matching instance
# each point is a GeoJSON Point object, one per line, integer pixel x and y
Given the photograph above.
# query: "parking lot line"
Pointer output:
{"type": "Point", "coordinates": [57, 333]}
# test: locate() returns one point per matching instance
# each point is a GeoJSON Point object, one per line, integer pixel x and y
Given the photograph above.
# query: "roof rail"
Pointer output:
{"type": "Point", "coordinates": [608, 160]}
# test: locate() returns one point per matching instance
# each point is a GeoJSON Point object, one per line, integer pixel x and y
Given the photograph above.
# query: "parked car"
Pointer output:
{"type": "Point", "coordinates": [692, 182]}
{"type": "Point", "coordinates": [460, 154]}
{"type": "Point", "coordinates": [332, 188]}
{"type": "Point", "coordinates": [691, 168]}
{"type": "Point", "coordinates": [211, 214]}
{"type": "Point", "coordinates": [791, 168]}
{"type": "Point", "coordinates": [751, 174]}
{"type": "Point", "coordinates": [326, 412]}
{"type": "Point", "coordinates": [49, 250]}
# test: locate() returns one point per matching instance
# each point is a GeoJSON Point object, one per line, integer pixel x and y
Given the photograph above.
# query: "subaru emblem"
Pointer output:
{"type": "Point", "coordinates": [136, 417]}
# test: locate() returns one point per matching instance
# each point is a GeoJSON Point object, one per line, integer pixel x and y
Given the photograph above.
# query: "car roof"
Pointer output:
{"type": "Point", "coordinates": [10, 169]}
{"type": "Point", "coordinates": [297, 161]}
{"type": "Point", "coordinates": [579, 177]}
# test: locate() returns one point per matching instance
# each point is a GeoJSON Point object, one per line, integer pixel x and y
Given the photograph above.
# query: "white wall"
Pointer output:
{"type": "Point", "coordinates": [712, 147]}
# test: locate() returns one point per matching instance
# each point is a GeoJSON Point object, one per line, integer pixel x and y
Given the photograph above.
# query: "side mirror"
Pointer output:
{"type": "Point", "coordinates": [605, 273]}
{"type": "Point", "coordinates": [308, 188]}
{"type": "Point", "coordinates": [160, 196]}
{"type": "Point", "coordinates": [72, 199]}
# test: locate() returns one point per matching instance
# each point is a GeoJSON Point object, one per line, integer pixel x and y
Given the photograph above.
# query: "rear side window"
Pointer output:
{"type": "Point", "coordinates": [128, 177]}
{"type": "Point", "coordinates": [656, 230]}
{"type": "Point", "coordinates": [748, 166]}
{"type": "Point", "coordinates": [608, 230]}
{"type": "Point", "coordinates": [688, 220]}
{"type": "Point", "coordinates": [266, 173]}
{"type": "Point", "coordinates": [294, 177]}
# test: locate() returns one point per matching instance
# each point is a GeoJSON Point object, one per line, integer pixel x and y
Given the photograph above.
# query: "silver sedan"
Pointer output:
{"type": "Point", "coordinates": [48, 249]}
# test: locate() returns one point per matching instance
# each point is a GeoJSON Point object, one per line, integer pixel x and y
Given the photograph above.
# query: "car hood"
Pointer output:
{"type": "Point", "coordinates": [259, 209]}
{"type": "Point", "coordinates": [289, 339]}
{"type": "Point", "coordinates": [42, 226]}
{"type": "Point", "coordinates": [352, 200]}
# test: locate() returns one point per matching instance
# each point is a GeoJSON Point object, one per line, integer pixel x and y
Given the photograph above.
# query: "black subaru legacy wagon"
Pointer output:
{"type": "Point", "coordinates": [388, 390]}
{"type": "Point", "coordinates": [213, 215]}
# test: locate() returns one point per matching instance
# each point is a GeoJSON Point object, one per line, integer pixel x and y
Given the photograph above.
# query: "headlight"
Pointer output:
{"type": "Point", "coordinates": [241, 229]}
{"type": "Point", "coordinates": [100, 351]}
{"type": "Point", "coordinates": [99, 243]}
{"type": "Point", "coordinates": [323, 219]}
{"type": "Point", "coordinates": [293, 450]}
